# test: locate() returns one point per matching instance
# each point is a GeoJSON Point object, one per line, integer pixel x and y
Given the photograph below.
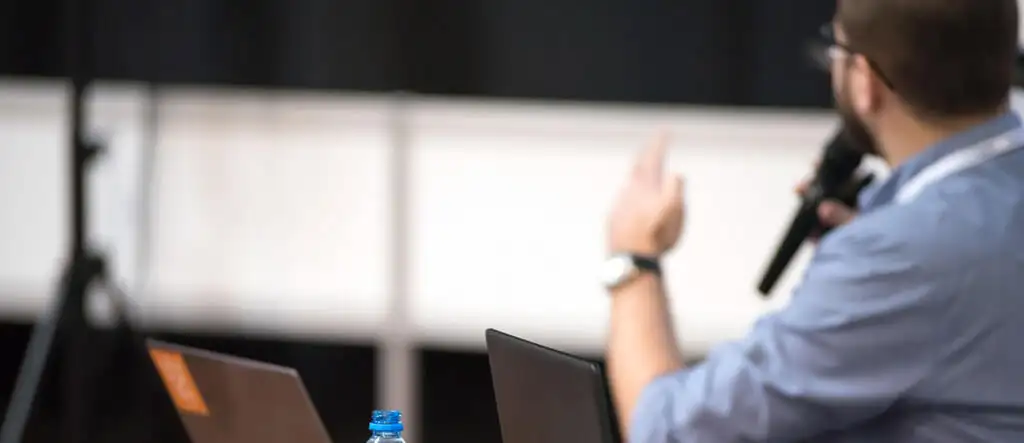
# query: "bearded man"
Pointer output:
{"type": "Point", "coordinates": [909, 322]}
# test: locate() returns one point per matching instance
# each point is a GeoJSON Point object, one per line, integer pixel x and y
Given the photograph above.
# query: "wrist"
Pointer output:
{"type": "Point", "coordinates": [623, 268]}
{"type": "Point", "coordinates": [644, 282]}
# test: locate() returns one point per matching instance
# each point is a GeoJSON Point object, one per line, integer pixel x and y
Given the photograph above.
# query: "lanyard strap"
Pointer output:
{"type": "Point", "coordinates": [961, 160]}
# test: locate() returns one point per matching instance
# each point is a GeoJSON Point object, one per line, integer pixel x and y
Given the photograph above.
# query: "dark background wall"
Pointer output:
{"type": "Point", "coordinates": [721, 52]}
{"type": "Point", "coordinates": [713, 52]}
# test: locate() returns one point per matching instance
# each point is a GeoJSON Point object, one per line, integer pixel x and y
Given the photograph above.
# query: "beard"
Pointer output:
{"type": "Point", "coordinates": [854, 129]}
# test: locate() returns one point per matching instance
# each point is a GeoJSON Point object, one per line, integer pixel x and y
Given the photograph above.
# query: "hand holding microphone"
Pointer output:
{"type": "Point", "coordinates": [826, 201]}
{"type": "Point", "coordinates": [831, 212]}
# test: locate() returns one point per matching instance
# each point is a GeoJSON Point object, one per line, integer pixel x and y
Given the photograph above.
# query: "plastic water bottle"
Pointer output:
{"type": "Point", "coordinates": [386, 427]}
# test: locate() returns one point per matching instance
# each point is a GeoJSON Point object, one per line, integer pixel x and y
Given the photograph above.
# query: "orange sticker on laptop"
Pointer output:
{"type": "Point", "coordinates": [179, 382]}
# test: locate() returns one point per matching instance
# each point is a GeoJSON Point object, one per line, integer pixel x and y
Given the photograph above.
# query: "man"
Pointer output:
{"type": "Point", "coordinates": [909, 323]}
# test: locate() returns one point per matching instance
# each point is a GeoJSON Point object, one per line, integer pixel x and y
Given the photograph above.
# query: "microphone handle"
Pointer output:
{"type": "Point", "coordinates": [805, 222]}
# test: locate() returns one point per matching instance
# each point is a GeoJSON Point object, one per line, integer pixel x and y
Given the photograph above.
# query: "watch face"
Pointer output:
{"type": "Point", "coordinates": [616, 269]}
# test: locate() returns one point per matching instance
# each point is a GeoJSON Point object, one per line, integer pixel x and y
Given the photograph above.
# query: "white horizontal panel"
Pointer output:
{"type": "Point", "coordinates": [268, 221]}
{"type": "Point", "coordinates": [509, 223]}
{"type": "Point", "coordinates": [272, 211]}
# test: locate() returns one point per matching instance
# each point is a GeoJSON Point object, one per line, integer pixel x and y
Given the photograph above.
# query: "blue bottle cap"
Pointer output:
{"type": "Point", "coordinates": [386, 421]}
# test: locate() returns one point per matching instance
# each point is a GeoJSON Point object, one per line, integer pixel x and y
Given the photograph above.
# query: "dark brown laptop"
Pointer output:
{"type": "Point", "coordinates": [548, 396]}
{"type": "Point", "coordinates": [224, 399]}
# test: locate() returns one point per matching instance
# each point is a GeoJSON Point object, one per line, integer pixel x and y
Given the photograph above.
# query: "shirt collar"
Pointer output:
{"type": "Point", "coordinates": [884, 192]}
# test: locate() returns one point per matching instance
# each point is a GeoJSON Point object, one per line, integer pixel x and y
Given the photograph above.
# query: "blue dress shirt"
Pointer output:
{"type": "Point", "coordinates": [907, 327]}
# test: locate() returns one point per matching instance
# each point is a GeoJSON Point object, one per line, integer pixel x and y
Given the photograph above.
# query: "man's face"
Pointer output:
{"type": "Point", "coordinates": [847, 97]}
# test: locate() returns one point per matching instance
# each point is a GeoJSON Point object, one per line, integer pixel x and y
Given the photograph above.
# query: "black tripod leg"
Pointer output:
{"type": "Point", "coordinates": [33, 366]}
{"type": "Point", "coordinates": [77, 379]}
{"type": "Point", "coordinates": [157, 418]}
{"type": "Point", "coordinates": [66, 320]}
{"type": "Point", "coordinates": [112, 362]}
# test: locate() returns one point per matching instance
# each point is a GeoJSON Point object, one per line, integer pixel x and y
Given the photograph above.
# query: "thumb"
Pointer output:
{"type": "Point", "coordinates": [834, 213]}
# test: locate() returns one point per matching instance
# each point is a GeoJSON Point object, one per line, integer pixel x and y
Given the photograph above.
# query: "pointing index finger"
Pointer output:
{"type": "Point", "coordinates": [650, 165]}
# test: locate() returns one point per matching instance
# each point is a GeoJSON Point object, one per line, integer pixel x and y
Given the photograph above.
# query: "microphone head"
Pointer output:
{"type": "Point", "coordinates": [838, 163]}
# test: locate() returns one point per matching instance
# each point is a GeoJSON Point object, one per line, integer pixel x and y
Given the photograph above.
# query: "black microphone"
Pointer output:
{"type": "Point", "coordinates": [834, 179]}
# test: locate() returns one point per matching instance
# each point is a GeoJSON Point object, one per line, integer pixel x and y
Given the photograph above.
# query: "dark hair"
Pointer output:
{"type": "Point", "coordinates": [945, 58]}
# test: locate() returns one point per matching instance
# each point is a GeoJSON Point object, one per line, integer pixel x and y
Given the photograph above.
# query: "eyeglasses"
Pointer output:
{"type": "Point", "coordinates": [828, 50]}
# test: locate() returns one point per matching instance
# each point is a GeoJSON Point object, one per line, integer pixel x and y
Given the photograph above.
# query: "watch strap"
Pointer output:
{"type": "Point", "coordinates": [646, 263]}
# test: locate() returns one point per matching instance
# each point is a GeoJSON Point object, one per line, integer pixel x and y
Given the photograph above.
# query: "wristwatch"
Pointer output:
{"type": "Point", "coordinates": [622, 268]}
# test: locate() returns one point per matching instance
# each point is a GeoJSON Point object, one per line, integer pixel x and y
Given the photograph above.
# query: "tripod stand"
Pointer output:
{"type": "Point", "coordinates": [66, 321]}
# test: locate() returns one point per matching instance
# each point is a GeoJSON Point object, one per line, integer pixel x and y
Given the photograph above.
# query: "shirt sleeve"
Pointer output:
{"type": "Point", "coordinates": [859, 333]}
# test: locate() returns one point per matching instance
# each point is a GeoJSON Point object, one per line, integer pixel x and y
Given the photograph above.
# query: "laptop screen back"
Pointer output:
{"type": "Point", "coordinates": [546, 396]}
{"type": "Point", "coordinates": [223, 399]}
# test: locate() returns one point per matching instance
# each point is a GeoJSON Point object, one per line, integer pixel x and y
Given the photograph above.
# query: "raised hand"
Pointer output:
{"type": "Point", "coordinates": [648, 215]}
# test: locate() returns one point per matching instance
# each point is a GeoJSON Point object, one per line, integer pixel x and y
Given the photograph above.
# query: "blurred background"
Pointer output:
{"type": "Point", "coordinates": [359, 189]}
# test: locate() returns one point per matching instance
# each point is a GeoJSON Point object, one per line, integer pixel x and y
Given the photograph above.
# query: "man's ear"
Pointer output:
{"type": "Point", "coordinates": [866, 86]}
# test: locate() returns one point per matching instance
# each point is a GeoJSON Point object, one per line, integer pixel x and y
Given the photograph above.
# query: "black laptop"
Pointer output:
{"type": "Point", "coordinates": [548, 396]}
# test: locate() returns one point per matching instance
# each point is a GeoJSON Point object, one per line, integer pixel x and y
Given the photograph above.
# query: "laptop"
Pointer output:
{"type": "Point", "coordinates": [224, 399]}
{"type": "Point", "coordinates": [548, 396]}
